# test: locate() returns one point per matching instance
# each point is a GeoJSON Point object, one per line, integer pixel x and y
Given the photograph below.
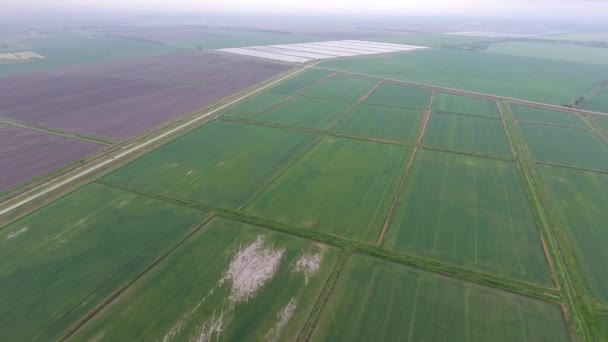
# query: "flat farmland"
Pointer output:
{"type": "Point", "coordinates": [545, 116]}
{"type": "Point", "coordinates": [61, 261]}
{"type": "Point", "coordinates": [24, 154]}
{"type": "Point", "coordinates": [121, 99]}
{"type": "Point", "coordinates": [388, 302]}
{"type": "Point", "coordinates": [566, 146]}
{"type": "Point", "coordinates": [535, 79]}
{"type": "Point", "coordinates": [432, 39]}
{"type": "Point", "coordinates": [342, 186]}
{"type": "Point", "coordinates": [580, 199]}
{"type": "Point", "coordinates": [230, 281]}
{"type": "Point", "coordinates": [580, 36]}
{"type": "Point", "coordinates": [220, 164]}
{"type": "Point", "coordinates": [307, 112]}
{"type": "Point", "coordinates": [397, 95]}
{"type": "Point", "coordinates": [343, 88]}
{"type": "Point", "coordinates": [380, 122]}
{"type": "Point", "coordinates": [602, 123]}
{"type": "Point", "coordinates": [257, 105]}
{"type": "Point", "coordinates": [599, 102]}
{"type": "Point", "coordinates": [449, 103]}
{"type": "Point", "coordinates": [552, 51]}
{"type": "Point", "coordinates": [300, 82]}
{"type": "Point", "coordinates": [472, 212]}
{"type": "Point", "coordinates": [468, 134]}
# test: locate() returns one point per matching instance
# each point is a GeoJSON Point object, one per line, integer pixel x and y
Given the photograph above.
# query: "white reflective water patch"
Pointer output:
{"type": "Point", "coordinates": [267, 55]}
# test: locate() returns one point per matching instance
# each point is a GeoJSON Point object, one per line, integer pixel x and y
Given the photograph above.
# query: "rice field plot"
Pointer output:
{"type": "Point", "coordinates": [221, 164]}
{"type": "Point", "coordinates": [552, 51]}
{"type": "Point", "coordinates": [397, 95]}
{"type": "Point", "coordinates": [300, 82]}
{"type": "Point", "coordinates": [534, 79]}
{"type": "Point", "coordinates": [339, 87]}
{"type": "Point", "coordinates": [471, 212]}
{"type": "Point", "coordinates": [380, 122]}
{"type": "Point", "coordinates": [580, 200]}
{"type": "Point", "coordinates": [449, 103]}
{"type": "Point", "coordinates": [64, 259]}
{"type": "Point", "coordinates": [257, 105]}
{"type": "Point", "coordinates": [342, 186]}
{"type": "Point", "coordinates": [388, 302]}
{"type": "Point", "coordinates": [602, 123]}
{"type": "Point", "coordinates": [230, 281]}
{"type": "Point", "coordinates": [598, 103]}
{"type": "Point", "coordinates": [437, 40]}
{"type": "Point", "coordinates": [307, 112]}
{"type": "Point", "coordinates": [539, 115]}
{"type": "Point", "coordinates": [467, 134]}
{"type": "Point", "coordinates": [566, 146]}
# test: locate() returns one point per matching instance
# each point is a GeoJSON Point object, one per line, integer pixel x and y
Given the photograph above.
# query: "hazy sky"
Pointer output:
{"type": "Point", "coordinates": [464, 7]}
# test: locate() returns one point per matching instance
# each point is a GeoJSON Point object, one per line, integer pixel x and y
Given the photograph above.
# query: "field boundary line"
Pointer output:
{"type": "Point", "coordinates": [404, 178]}
{"type": "Point", "coordinates": [472, 94]}
{"type": "Point", "coordinates": [571, 281]}
{"type": "Point", "coordinates": [310, 325]}
{"type": "Point", "coordinates": [108, 299]}
{"type": "Point", "coordinates": [572, 167]}
{"type": "Point", "coordinates": [469, 275]}
{"type": "Point", "coordinates": [354, 107]}
{"type": "Point", "coordinates": [594, 129]}
{"type": "Point", "coordinates": [467, 153]}
{"type": "Point", "coordinates": [475, 116]}
{"type": "Point", "coordinates": [128, 150]}
{"type": "Point", "coordinates": [504, 127]}
{"type": "Point", "coordinates": [56, 132]}
{"type": "Point", "coordinates": [314, 131]}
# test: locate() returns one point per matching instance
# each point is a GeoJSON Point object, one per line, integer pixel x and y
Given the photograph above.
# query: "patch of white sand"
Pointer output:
{"type": "Point", "coordinates": [284, 316]}
{"type": "Point", "coordinates": [309, 265]}
{"type": "Point", "coordinates": [17, 233]}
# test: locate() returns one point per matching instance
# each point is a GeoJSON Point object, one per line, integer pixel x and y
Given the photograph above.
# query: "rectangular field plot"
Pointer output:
{"type": "Point", "coordinates": [230, 281]}
{"type": "Point", "coordinates": [472, 212]}
{"type": "Point", "coordinates": [343, 186]}
{"type": "Point", "coordinates": [467, 134]}
{"type": "Point", "coordinates": [257, 105]}
{"type": "Point", "coordinates": [580, 200]}
{"type": "Point", "coordinates": [566, 146]}
{"type": "Point", "coordinates": [64, 259]}
{"type": "Point", "coordinates": [449, 103]}
{"type": "Point", "coordinates": [220, 164]}
{"type": "Point", "coordinates": [381, 301]}
{"type": "Point", "coordinates": [27, 154]}
{"type": "Point", "coordinates": [300, 82]}
{"type": "Point", "coordinates": [307, 112]}
{"type": "Point", "coordinates": [343, 88]}
{"type": "Point", "coordinates": [539, 115]}
{"type": "Point", "coordinates": [390, 123]}
{"type": "Point", "coordinates": [397, 95]}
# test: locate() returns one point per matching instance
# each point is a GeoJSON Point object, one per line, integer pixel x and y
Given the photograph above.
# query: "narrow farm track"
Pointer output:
{"type": "Point", "coordinates": [471, 93]}
{"type": "Point", "coordinates": [131, 149]}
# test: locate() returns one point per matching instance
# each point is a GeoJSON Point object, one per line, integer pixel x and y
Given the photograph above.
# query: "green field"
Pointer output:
{"type": "Point", "coordinates": [83, 49]}
{"type": "Point", "coordinates": [230, 281]}
{"type": "Point", "coordinates": [535, 79]}
{"type": "Point", "coordinates": [472, 212]}
{"type": "Point", "coordinates": [257, 105]}
{"type": "Point", "coordinates": [599, 102]}
{"type": "Point", "coordinates": [339, 87]}
{"type": "Point", "coordinates": [343, 187]}
{"type": "Point", "coordinates": [375, 300]}
{"type": "Point", "coordinates": [432, 39]}
{"type": "Point", "coordinates": [390, 123]}
{"type": "Point", "coordinates": [467, 133]}
{"type": "Point", "coordinates": [299, 82]}
{"type": "Point", "coordinates": [602, 123]}
{"type": "Point", "coordinates": [397, 95]}
{"type": "Point", "coordinates": [307, 112]}
{"type": "Point", "coordinates": [220, 164]}
{"type": "Point", "coordinates": [61, 261]}
{"type": "Point", "coordinates": [580, 199]}
{"type": "Point", "coordinates": [449, 103]}
{"type": "Point", "coordinates": [551, 51]}
{"type": "Point", "coordinates": [567, 146]}
{"type": "Point", "coordinates": [539, 115]}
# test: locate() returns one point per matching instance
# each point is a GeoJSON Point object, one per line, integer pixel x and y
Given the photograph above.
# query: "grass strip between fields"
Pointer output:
{"type": "Point", "coordinates": [580, 310]}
